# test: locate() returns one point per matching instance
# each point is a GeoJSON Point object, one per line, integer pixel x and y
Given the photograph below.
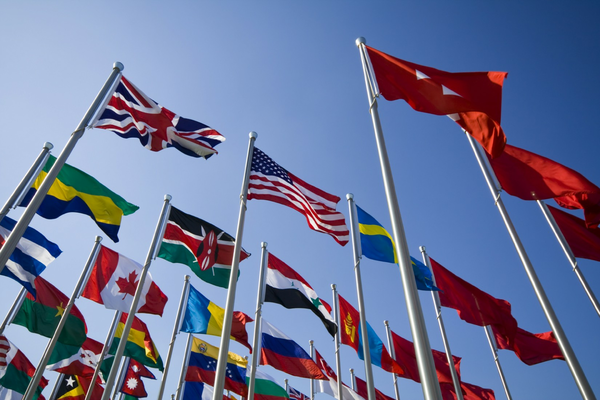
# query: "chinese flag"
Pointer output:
{"type": "Point", "coordinates": [583, 241]}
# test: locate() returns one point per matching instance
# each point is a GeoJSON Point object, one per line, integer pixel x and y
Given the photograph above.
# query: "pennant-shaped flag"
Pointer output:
{"type": "Point", "coordinates": [114, 280]}
{"type": "Point", "coordinates": [16, 370]}
{"type": "Point", "coordinates": [132, 381]}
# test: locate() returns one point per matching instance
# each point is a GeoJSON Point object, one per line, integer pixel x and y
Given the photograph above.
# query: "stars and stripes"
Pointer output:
{"type": "Point", "coordinates": [269, 181]}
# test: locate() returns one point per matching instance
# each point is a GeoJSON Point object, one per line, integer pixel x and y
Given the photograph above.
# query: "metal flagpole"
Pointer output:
{"type": "Point", "coordinates": [176, 327]}
{"type": "Point", "coordinates": [561, 338]}
{"type": "Point", "coordinates": [184, 364]}
{"type": "Point", "coordinates": [35, 380]}
{"type": "Point", "coordinates": [569, 253]}
{"type": "Point", "coordinates": [105, 348]}
{"type": "Point", "coordinates": [438, 312]}
{"type": "Point", "coordinates": [285, 382]}
{"type": "Point", "coordinates": [429, 382]}
{"type": "Point", "coordinates": [56, 386]}
{"type": "Point", "coordinates": [361, 302]}
{"type": "Point", "coordinates": [494, 349]}
{"type": "Point", "coordinates": [260, 298]}
{"type": "Point", "coordinates": [336, 317]}
{"type": "Point", "coordinates": [393, 354]}
{"type": "Point", "coordinates": [25, 183]}
{"type": "Point", "coordinates": [235, 264]}
{"type": "Point", "coordinates": [352, 379]}
{"type": "Point", "coordinates": [122, 372]}
{"type": "Point", "coordinates": [34, 204]}
{"type": "Point", "coordinates": [312, 357]}
{"type": "Point", "coordinates": [13, 309]}
{"type": "Point", "coordinates": [158, 234]}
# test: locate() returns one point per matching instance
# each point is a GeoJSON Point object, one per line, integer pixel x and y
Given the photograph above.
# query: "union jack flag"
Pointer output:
{"type": "Point", "coordinates": [131, 114]}
{"type": "Point", "coordinates": [296, 395]}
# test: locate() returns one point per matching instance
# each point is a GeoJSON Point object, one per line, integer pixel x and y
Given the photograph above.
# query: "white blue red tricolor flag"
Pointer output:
{"type": "Point", "coordinates": [131, 114]}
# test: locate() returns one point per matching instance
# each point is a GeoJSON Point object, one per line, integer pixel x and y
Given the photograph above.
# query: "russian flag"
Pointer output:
{"type": "Point", "coordinates": [282, 353]}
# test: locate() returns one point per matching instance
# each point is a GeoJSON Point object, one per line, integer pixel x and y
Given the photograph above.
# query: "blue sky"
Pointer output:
{"type": "Point", "coordinates": [291, 72]}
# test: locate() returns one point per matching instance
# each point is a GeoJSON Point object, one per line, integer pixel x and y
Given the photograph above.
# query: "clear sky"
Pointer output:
{"type": "Point", "coordinates": [291, 72]}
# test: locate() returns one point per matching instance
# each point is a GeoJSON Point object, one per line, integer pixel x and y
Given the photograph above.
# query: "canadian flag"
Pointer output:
{"type": "Point", "coordinates": [114, 280]}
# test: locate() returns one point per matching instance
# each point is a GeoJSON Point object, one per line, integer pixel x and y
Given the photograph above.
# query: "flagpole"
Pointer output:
{"type": "Point", "coordinates": [25, 183]}
{"type": "Point", "coordinates": [56, 386]}
{"type": "Point", "coordinates": [184, 364]}
{"type": "Point", "coordinates": [176, 327]}
{"type": "Point", "coordinates": [429, 382]}
{"type": "Point", "coordinates": [338, 363]}
{"type": "Point", "coordinates": [494, 348]}
{"type": "Point", "coordinates": [122, 372]}
{"type": "Point", "coordinates": [158, 234]}
{"type": "Point", "coordinates": [105, 348]}
{"type": "Point", "coordinates": [260, 297]}
{"type": "Point", "coordinates": [361, 302]}
{"type": "Point", "coordinates": [34, 204]}
{"type": "Point", "coordinates": [235, 264]}
{"type": "Point", "coordinates": [569, 253]}
{"type": "Point", "coordinates": [438, 312]}
{"type": "Point", "coordinates": [311, 344]}
{"type": "Point", "coordinates": [35, 380]}
{"type": "Point", "coordinates": [352, 379]}
{"type": "Point", "coordinates": [393, 354]}
{"type": "Point", "coordinates": [574, 366]}
{"type": "Point", "coordinates": [15, 306]}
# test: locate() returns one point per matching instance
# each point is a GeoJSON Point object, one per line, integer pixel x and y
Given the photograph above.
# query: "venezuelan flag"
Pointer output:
{"type": "Point", "coordinates": [75, 191]}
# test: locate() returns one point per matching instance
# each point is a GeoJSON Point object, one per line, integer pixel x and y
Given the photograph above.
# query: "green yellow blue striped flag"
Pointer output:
{"type": "Point", "coordinates": [75, 191]}
{"type": "Point", "coordinates": [377, 244]}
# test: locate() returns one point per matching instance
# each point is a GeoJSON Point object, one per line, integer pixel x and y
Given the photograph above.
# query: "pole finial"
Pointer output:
{"type": "Point", "coordinates": [311, 341]}
{"type": "Point", "coordinates": [98, 239]}
{"type": "Point", "coordinates": [386, 322]}
{"type": "Point", "coordinates": [253, 135]}
{"type": "Point", "coordinates": [168, 197]}
{"type": "Point", "coordinates": [48, 146]}
{"type": "Point", "coordinates": [422, 249]}
{"type": "Point", "coordinates": [186, 278]}
{"type": "Point", "coordinates": [361, 40]}
{"type": "Point", "coordinates": [263, 245]}
{"type": "Point", "coordinates": [349, 196]}
{"type": "Point", "coordinates": [118, 65]}
{"type": "Point", "coordinates": [333, 286]}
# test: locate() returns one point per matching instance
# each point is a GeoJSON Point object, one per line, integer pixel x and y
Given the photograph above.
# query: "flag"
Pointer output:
{"type": "Point", "coordinates": [583, 241]}
{"type": "Point", "coordinates": [472, 99]}
{"type": "Point", "coordinates": [131, 114]}
{"type": "Point", "coordinates": [282, 353]}
{"type": "Point", "coordinates": [132, 381]}
{"type": "Point", "coordinates": [7, 394]}
{"type": "Point", "coordinates": [197, 391]}
{"type": "Point", "coordinates": [361, 389]}
{"type": "Point", "coordinates": [73, 387]}
{"type": "Point", "coordinates": [75, 191]}
{"type": "Point", "coordinates": [469, 392]}
{"type": "Point", "coordinates": [31, 256]}
{"type": "Point", "coordinates": [330, 386]}
{"type": "Point", "coordinates": [16, 370]}
{"type": "Point", "coordinates": [140, 345]}
{"type": "Point", "coordinates": [42, 314]}
{"type": "Point", "coordinates": [73, 360]}
{"type": "Point", "coordinates": [377, 244]}
{"type": "Point", "coordinates": [203, 364]}
{"type": "Point", "coordinates": [296, 394]}
{"type": "Point", "coordinates": [204, 316]}
{"type": "Point", "coordinates": [114, 280]}
{"type": "Point", "coordinates": [350, 334]}
{"type": "Point", "coordinates": [529, 176]}
{"type": "Point", "coordinates": [531, 348]}
{"type": "Point", "coordinates": [405, 355]}
{"type": "Point", "coordinates": [270, 181]}
{"type": "Point", "coordinates": [203, 247]}
{"type": "Point", "coordinates": [472, 304]}
{"type": "Point", "coordinates": [286, 287]}
{"type": "Point", "coordinates": [266, 388]}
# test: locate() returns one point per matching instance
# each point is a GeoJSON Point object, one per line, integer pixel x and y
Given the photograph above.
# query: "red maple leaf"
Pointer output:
{"type": "Point", "coordinates": [128, 286]}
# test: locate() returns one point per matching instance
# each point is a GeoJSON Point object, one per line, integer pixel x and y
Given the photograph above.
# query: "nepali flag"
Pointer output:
{"type": "Point", "coordinates": [131, 114]}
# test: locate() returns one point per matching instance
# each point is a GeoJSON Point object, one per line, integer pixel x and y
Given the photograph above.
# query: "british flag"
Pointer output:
{"type": "Point", "coordinates": [296, 395]}
{"type": "Point", "coordinates": [131, 114]}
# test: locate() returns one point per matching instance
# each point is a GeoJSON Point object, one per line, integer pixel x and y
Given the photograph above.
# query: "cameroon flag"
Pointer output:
{"type": "Point", "coordinates": [139, 345]}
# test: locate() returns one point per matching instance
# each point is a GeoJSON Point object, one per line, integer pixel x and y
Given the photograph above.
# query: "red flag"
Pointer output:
{"type": "Point", "coordinates": [585, 242]}
{"type": "Point", "coordinates": [588, 202]}
{"type": "Point", "coordinates": [531, 348]}
{"type": "Point", "coordinates": [361, 388]}
{"type": "Point", "coordinates": [405, 355]}
{"type": "Point", "coordinates": [472, 99]}
{"type": "Point", "coordinates": [473, 305]}
{"type": "Point", "coordinates": [469, 392]}
{"type": "Point", "coordinates": [132, 382]}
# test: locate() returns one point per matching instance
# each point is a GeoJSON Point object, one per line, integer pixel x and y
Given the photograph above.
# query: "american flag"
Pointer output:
{"type": "Point", "coordinates": [296, 395]}
{"type": "Point", "coordinates": [131, 114]}
{"type": "Point", "coordinates": [269, 181]}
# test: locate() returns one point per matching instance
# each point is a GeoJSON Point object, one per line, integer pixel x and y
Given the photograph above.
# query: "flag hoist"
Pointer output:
{"type": "Point", "coordinates": [430, 386]}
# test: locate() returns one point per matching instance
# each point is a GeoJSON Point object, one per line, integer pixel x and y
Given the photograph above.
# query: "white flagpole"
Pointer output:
{"type": "Point", "coordinates": [158, 234]}
{"type": "Point", "coordinates": [494, 349]}
{"type": "Point", "coordinates": [56, 386]}
{"type": "Point", "coordinates": [34, 204]}
{"type": "Point", "coordinates": [180, 311]}
{"type": "Point", "coordinates": [336, 317]}
{"type": "Point", "coordinates": [361, 302]}
{"type": "Point", "coordinates": [235, 264]}
{"type": "Point", "coordinates": [311, 344]}
{"type": "Point", "coordinates": [393, 354]}
{"type": "Point", "coordinates": [13, 309]}
{"type": "Point", "coordinates": [184, 365]}
{"type": "Point", "coordinates": [438, 312]}
{"type": "Point", "coordinates": [35, 380]}
{"type": "Point", "coordinates": [569, 253]}
{"type": "Point", "coordinates": [260, 298]}
{"type": "Point", "coordinates": [352, 379]}
{"type": "Point", "coordinates": [574, 366]}
{"type": "Point", "coordinates": [429, 382]}
{"type": "Point", "coordinates": [23, 186]}
{"type": "Point", "coordinates": [105, 348]}
{"type": "Point", "coordinates": [122, 373]}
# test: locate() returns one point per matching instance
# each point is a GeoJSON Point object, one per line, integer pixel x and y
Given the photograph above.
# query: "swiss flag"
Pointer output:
{"type": "Point", "coordinates": [114, 280]}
